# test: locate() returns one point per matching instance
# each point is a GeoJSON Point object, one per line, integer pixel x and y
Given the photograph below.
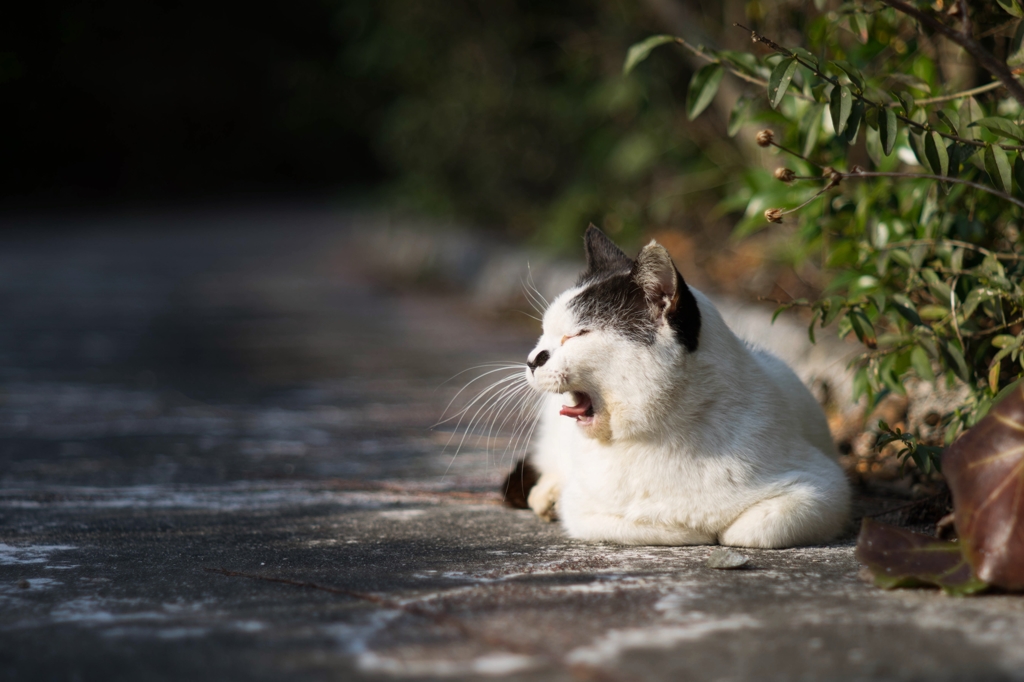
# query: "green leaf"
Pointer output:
{"type": "Point", "coordinates": [810, 327]}
{"type": "Point", "coordinates": [1015, 57]}
{"type": "Point", "coordinates": [640, 51]}
{"type": "Point", "coordinates": [806, 56]}
{"type": "Point", "coordinates": [954, 359]}
{"type": "Point", "coordinates": [951, 120]}
{"type": "Point", "coordinates": [888, 126]}
{"type": "Point", "coordinates": [859, 25]}
{"type": "Point", "coordinates": [995, 366]}
{"type": "Point", "coordinates": [831, 307]}
{"type": "Point", "coordinates": [1012, 8]}
{"type": "Point", "coordinates": [863, 328]}
{"type": "Point", "coordinates": [921, 364]}
{"type": "Point", "coordinates": [917, 146]}
{"type": "Point", "coordinates": [778, 83]}
{"type": "Point", "coordinates": [850, 70]}
{"type": "Point", "coordinates": [900, 558]}
{"type": "Point", "coordinates": [1018, 166]}
{"type": "Point", "coordinates": [1000, 126]}
{"type": "Point", "coordinates": [908, 314]}
{"type": "Point", "coordinates": [974, 299]}
{"type": "Point", "coordinates": [907, 104]}
{"type": "Point", "coordinates": [997, 165]}
{"type": "Point", "coordinates": [810, 128]}
{"type": "Point", "coordinates": [744, 61]}
{"type": "Point", "coordinates": [703, 87]}
{"type": "Point", "coordinates": [840, 104]}
{"type": "Point", "coordinates": [853, 124]}
{"type": "Point", "coordinates": [935, 150]}
{"type": "Point", "coordinates": [970, 111]}
{"type": "Point", "coordinates": [1004, 341]}
{"type": "Point", "coordinates": [739, 115]}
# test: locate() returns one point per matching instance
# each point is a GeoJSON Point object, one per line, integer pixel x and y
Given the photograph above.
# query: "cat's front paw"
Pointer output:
{"type": "Point", "coordinates": [543, 498]}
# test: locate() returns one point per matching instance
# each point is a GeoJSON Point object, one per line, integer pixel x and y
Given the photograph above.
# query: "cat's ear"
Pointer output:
{"type": "Point", "coordinates": [602, 253]}
{"type": "Point", "coordinates": [656, 274]}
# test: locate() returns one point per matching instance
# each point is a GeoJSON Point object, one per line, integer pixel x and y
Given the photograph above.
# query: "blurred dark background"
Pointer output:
{"type": "Point", "coordinates": [507, 114]}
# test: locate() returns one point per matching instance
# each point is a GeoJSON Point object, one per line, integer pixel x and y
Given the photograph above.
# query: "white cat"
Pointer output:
{"type": "Point", "coordinates": [664, 428]}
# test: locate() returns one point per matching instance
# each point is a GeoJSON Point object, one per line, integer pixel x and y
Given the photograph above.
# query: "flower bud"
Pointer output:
{"type": "Point", "coordinates": [784, 174]}
{"type": "Point", "coordinates": [773, 215]}
{"type": "Point", "coordinates": [765, 138]}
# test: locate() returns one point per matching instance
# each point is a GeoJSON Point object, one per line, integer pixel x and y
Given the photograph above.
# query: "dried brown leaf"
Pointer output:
{"type": "Point", "coordinates": [985, 470]}
{"type": "Point", "coordinates": [900, 558]}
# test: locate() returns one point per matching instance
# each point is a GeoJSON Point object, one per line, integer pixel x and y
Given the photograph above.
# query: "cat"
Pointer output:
{"type": "Point", "coordinates": [661, 427]}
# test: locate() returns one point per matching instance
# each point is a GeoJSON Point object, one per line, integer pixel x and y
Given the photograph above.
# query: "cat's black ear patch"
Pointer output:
{"type": "Point", "coordinates": [603, 256]}
{"type": "Point", "coordinates": [667, 294]}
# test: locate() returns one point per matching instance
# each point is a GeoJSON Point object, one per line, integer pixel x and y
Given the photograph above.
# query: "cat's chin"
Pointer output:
{"type": "Point", "coordinates": [582, 409]}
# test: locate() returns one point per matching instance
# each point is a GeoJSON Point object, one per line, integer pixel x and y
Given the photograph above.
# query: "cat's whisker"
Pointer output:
{"type": "Point", "coordinates": [516, 367]}
{"type": "Point", "coordinates": [532, 317]}
{"type": "Point", "coordinates": [532, 422]}
{"type": "Point", "coordinates": [537, 301]}
{"type": "Point", "coordinates": [524, 419]}
{"type": "Point", "coordinates": [499, 365]}
{"type": "Point", "coordinates": [516, 396]}
{"type": "Point", "coordinates": [533, 285]}
{"type": "Point", "coordinates": [486, 408]}
{"type": "Point", "coordinates": [489, 400]}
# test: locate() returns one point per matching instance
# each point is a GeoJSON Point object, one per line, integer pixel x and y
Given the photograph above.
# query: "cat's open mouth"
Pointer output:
{"type": "Point", "coordinates": [583, 410]}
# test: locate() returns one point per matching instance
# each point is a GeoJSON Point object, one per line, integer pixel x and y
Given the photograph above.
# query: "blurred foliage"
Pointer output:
{"type": "Point", "coordinates": [861, 103]}
{"type": "Point", "coordinates": [516, 114]}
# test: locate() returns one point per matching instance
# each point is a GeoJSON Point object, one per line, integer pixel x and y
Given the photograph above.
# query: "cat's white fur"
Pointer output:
{"type": "Point", "coordinates": [720, 445]}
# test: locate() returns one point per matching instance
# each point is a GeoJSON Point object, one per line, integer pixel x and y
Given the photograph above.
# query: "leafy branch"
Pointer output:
{"type": "Point", "coordinates": [842, 96]}
{"type": "Point", "coordinates": [964, 39]}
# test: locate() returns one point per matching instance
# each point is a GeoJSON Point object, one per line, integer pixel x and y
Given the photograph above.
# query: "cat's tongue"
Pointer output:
{"type": "Point", "coordinates": [583, 407]}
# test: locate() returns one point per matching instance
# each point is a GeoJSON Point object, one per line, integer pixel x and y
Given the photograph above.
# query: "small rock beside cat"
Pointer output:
{"type": "Point", "coordinates": [664, 428]}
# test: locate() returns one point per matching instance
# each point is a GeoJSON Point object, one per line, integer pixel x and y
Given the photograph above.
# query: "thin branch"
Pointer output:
{"type": "Point", "coordinates": [994, 85]}
{"type": "Point", "coordinates": [711, 59]}
{"type": "Point", "coordinates": [952, 242]}
{"type": "Point", "coordinates": [985, 58]}
{"type": "Point", "coordinates": [952, 309]}
{"type": "Point", "coordinates": [965, 20]}
{"type": "Point", "coordinates": [943, 178]}
{"type": "Point", "coordinates": [773, 143]}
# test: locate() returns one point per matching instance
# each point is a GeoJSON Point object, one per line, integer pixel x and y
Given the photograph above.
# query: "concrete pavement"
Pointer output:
{"type": "Point", "coordinates": [215, 463]}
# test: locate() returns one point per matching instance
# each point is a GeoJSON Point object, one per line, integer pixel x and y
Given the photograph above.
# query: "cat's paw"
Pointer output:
{"type": "Point", "coordinates": [543, 498]}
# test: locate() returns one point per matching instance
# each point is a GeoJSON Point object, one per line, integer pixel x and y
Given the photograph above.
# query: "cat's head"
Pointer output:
{"type": "Point", "coordinates": [616, 342]}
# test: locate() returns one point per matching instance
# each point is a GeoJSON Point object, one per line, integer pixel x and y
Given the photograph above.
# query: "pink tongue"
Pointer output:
{"type": "Point", "coordinates": [578, 410]}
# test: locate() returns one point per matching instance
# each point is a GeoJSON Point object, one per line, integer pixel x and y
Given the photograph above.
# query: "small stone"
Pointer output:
{"type": "Point", "coordinates": [24, 584]}
{"type": "Point", "coordinates": [723, 557]}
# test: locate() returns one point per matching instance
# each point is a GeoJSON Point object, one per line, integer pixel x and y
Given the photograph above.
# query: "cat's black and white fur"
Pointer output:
{"type": "Point", "coordinates": [663, 427]}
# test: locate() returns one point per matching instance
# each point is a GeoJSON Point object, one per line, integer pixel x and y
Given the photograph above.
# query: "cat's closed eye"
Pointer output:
{"type": "Point", "coordinates": [573, 336]}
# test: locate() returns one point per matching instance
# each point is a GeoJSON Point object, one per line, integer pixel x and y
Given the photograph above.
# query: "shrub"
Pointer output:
{"type": "Point", "coordinates": [907, 194]}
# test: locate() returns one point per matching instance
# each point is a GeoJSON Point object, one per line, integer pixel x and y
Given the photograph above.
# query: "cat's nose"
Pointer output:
{"type": "Point", "coordinates": [538, 360]}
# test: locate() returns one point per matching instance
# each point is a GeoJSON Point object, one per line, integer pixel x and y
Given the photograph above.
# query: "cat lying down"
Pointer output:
{"type": "Point", "coordinates": [664, 428]}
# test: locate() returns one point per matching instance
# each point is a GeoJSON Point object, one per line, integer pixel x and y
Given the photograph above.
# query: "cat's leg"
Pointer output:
{"type": "Point", "coordinates": [804, 513]}
{"type": "Point", "coordinates": [543, 499]}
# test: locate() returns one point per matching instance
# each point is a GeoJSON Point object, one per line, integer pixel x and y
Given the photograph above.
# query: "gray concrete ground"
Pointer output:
{"type": "Point", "coordinates": [215, 464]}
